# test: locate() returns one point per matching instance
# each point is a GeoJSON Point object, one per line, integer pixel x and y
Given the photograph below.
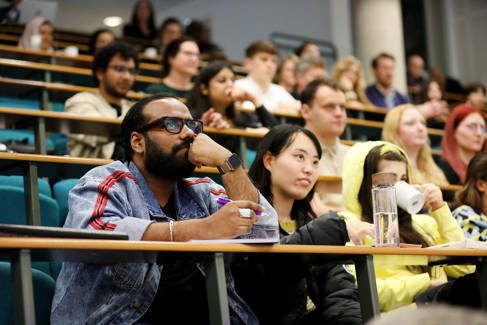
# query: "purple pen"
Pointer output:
{"type": "Point", "coordinates": [223, 201]}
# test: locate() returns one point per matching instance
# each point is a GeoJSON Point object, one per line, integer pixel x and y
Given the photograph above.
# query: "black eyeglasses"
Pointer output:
{"type": "Point", "coordinates": [122, 69]}
{"type": "Point", "coordinates": [173, 125]}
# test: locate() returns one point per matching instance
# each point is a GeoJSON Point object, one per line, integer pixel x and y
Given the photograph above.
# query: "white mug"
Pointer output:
{"type": "Point", "coordinates": [150, 52]}
{"type": "Point", "coordinates": [408, 197]}
{"type": "Point", "coordinates": [71, 50]}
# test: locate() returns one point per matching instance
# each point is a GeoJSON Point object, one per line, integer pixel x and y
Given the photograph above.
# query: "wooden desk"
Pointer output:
{"type": "Point", "coordinates": [33, 166]}
{"type": "Point", "coordinates": [83, 60]}
{"type": "Point", "coordinates": [63, 69]}
{"type": "Point", "coordinates": [22, 250]}
{"type": "Point", "coordinates": [47, 121]}
{"type": "Point", "coordinates": [43, 85]}
{"type": "Point", "coordinates": [355, 121]}
{"type": "Point", "coordinates": [55, 43]}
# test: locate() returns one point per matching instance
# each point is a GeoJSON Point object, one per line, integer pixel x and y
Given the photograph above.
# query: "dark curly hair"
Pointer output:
{"type": "Point", "coordinates": [103, 56]}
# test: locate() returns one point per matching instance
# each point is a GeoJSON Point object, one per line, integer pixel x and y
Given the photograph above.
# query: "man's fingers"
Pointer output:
{"type": "Point", "coordinates": [249, 205]}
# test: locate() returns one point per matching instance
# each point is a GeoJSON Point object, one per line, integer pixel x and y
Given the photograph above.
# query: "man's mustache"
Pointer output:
{"type": "Point", "coordinates": [184, 144]}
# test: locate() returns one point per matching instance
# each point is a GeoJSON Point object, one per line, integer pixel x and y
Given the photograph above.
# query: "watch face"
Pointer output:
{"type": "Point", "coordinates": [234, 161]}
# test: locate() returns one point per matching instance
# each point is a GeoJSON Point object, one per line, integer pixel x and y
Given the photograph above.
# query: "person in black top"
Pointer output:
{"type": "Point", "coordinates": [142, 23]}
{"type": "Point", "coordinates": [285, 171]}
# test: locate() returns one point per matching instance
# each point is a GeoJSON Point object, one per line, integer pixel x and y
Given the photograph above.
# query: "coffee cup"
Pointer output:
{"type": "Point", "coordinates": [408, 197]}
{"type": "Point", "coordinates": [71, 50]}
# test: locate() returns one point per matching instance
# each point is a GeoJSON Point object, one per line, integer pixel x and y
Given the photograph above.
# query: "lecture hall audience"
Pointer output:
{"type": "Point", "coordinates": [219, 100]}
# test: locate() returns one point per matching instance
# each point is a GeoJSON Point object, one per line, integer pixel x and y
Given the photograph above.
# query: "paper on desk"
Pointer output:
{"type": "Point", "coordinates": [236, 241]}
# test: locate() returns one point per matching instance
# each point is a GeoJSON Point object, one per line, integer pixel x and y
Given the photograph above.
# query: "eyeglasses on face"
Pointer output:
{"type": "Point", "coordinates": [122, 69]}
{"type": "Point", "coordinates": [475, 126]}
{"type": "Point", "coordinates": [173, 125]}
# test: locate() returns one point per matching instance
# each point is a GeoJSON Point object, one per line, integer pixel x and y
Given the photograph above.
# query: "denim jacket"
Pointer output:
{"type": "Point", "coordinates": [117, 197]}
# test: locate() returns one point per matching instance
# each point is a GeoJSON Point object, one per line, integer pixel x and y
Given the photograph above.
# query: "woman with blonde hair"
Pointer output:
{"type": "Point", "coordinates": [405, 127]}
{"type": "Point", "coordinates": [348, 74]}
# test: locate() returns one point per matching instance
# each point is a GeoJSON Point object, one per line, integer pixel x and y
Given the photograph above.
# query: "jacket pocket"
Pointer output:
{"type": "Point", "coordinates": [128, 275]}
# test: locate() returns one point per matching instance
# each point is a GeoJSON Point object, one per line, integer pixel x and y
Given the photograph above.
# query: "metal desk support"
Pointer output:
{"type": "Point", "coordinates": [216, 289]}
{"type": "Point", "coordinates": [243, 151]}
{"type": "Point", "coordinates": [367, 287]}
{"type": "Point", "coordinates": [481, 270]}
{"type": "Point", "coordinates": [40, 136]}
{"type": "Point", "coordinates": [31, 194]}
{"type": "Point", "coordinates": [23, 297]}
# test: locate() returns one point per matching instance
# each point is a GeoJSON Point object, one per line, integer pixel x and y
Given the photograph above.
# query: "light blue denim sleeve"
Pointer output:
{"type": "Point", "coordinates": [94, 207]}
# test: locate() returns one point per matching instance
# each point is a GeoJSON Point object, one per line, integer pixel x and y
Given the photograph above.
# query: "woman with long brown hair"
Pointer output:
{"type": "Point", "coordinates": [399, 284]}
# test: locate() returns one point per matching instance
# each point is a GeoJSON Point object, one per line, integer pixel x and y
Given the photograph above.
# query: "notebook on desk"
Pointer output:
{"type": "Point", "coordinates": [7, 230]}
{"type": "Point", "coordinates": [463, 244]}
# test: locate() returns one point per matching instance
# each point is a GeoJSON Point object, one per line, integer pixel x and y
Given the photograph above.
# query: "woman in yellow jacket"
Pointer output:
{"type": "Point", "coordinates": [397, 284]}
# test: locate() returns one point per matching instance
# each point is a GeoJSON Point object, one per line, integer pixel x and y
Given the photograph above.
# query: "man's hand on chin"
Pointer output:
{"type": "Point", "coordinates": [206, 152]}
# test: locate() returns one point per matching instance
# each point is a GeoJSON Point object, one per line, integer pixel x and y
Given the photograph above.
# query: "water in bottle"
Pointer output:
{"type": "Point", "coordinates": [386, 223]}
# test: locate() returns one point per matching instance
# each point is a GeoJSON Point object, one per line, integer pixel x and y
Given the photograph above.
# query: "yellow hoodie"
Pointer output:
{"type": "Point", "coordinates": [396, 284]}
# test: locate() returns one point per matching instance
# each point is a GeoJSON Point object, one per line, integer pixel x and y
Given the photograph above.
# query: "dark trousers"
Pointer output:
{"type": "Point", "coordinates": [463, 291]}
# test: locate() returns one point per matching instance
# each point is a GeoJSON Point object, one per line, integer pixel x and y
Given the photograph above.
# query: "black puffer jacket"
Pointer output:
{"type": "Point", "coordinates": [276, 289]}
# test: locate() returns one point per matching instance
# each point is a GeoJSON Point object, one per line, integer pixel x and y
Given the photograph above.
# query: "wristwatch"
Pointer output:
{"type": "Point", "coordinates": [231, 163]}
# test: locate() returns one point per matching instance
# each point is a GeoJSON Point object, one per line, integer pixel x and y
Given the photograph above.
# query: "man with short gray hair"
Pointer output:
{"type": "Point", "coordinates": [308, 68]}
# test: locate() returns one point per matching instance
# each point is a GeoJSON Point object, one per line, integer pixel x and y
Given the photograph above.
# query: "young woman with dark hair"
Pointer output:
{"type": "Point", "coordinates": [214, 90]}
{"type": "Point", "coordinates": [179, 65]}
{"type": "Point", "coordinates": [170, 30]}
{"type": "Point", "coordinates": [471, 200]}
{"type": "Point", "coordinates": [99, 39]}
{"type": "Point", "coordinates": [399, 284]}
{"type": "Point", "coordinates": [142, 23]}
{"type": "Point", "coordinates": [285, 171]}
{"type": "Point", "coordinates": [214, 98]}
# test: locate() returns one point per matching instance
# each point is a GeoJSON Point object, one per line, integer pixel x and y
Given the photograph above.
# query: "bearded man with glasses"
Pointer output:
{"type": "Point", "coordinates": [115, 68]}
{"type": "Point", "coordinates": [149, 197]}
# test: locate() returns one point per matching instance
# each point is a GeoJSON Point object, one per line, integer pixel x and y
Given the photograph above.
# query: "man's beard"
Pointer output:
{"type": "Point", "coordinates": [168, 166]}
{"type": "Point", "coordinates": [112, 91]}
